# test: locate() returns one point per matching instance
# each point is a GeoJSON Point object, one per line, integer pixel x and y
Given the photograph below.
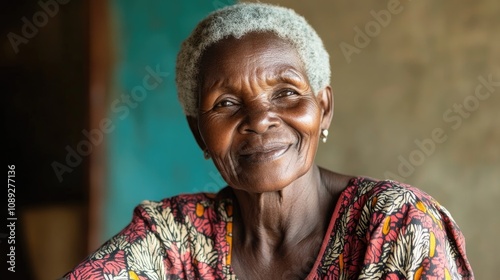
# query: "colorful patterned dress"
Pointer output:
{"type": "Point", "coordinates": [378, 230]}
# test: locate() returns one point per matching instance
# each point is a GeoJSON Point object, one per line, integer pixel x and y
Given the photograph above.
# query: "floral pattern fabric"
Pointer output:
{"type": "Point", "coordinates": [379, 230]}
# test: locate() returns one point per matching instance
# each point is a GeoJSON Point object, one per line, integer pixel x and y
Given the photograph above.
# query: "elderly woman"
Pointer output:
{"type": "Point", "coordinates": [253, 80]}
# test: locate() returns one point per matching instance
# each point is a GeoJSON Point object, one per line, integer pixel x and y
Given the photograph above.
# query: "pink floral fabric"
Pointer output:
{"type": "Point", "coordinates": [379, 230]}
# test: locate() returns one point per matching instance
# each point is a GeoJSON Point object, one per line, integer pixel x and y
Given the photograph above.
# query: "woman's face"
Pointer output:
{"type": "Point", "coordinates": [258, 117]}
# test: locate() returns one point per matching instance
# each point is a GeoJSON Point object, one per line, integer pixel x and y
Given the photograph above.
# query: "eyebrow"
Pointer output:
{"type": "Point", "coordinates": [286, 75]}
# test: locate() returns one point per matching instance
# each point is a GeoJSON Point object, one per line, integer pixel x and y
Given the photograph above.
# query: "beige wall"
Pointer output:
{"type": "Point", "coordinates": [396, 90]}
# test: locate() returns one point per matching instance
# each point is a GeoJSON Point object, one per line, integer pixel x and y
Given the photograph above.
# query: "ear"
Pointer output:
{"type": "Point", "coordinates": [193, 125]}
{"type": "Point", "coordinates": [325, 98]}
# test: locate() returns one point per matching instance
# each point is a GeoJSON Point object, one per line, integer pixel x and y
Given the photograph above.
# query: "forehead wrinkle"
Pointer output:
{"type": "Point", "coordinates": [215, 84]}
{"type": "Point", "coordinates": [256, 83]}
{"type": "Point", "coordinates": [262, 79]}
{"type": "Point", "coordinates": [284, 74]}
{"type": "Point", "coordinates": [257, 73]}
{"type": "Point", "coordinates": [257, 66]}
{"type": "Point", "coordinates": [287, 75]}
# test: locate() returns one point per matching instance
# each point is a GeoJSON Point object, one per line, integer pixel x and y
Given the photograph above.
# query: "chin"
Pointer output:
{"type": "Point", "coordinates": [268, 180]}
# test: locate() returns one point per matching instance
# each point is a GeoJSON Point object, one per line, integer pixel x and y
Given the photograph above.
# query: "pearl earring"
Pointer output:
{"type": "Point", "coordinates": [206, 155]}
{"type": "Point", "coordinates": [324, 135]}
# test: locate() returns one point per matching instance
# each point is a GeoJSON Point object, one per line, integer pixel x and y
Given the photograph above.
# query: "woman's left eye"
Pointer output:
{"type": "Point", "coordinates": [286, 93]}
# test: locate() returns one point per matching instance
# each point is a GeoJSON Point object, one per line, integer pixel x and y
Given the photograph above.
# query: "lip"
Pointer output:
{"type": "Point", "coordinates": [264, 153]}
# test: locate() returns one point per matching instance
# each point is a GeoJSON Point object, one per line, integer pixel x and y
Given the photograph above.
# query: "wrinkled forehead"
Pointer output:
{"type": "Point", "coordinates": [247, 55]}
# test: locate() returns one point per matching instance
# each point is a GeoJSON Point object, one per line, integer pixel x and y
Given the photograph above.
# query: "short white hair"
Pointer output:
{"type": "Point", "coordinates": [236, 21]}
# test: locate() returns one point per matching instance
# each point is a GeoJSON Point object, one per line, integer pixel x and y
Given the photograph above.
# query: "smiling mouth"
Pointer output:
{"type": "Point", "coordinates": [264, 154]}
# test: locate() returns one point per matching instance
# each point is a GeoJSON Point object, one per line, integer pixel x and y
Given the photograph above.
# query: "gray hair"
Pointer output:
{"type": "Point", "coordinates": [238, 20]}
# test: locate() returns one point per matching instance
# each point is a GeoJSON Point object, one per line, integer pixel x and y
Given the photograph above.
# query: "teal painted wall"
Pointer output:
{"type": "Point", "coordinates": [151, 152]}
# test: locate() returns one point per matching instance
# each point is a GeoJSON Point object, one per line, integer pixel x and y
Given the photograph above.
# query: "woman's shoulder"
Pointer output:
{"type": "Point", "coordinates": [391, 189]}
{"type": "Point", "coordinates": [364, 187]}
{"type": "Point", "coordinates": [390, 196]}
{"type": "Point", "coordinates": [180, 205]}
{"type": "Point", "coordinates": [393, 205]}
{"type": "Point", "coordinates": [401, 224]}
{"type": "Point", "coordinates": [180, 201]}
{"type": "Point", "coordinates": [186, 208]}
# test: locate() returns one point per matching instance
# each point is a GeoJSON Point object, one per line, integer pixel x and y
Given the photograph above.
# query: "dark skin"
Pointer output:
{"type": "Point", "coordinates": [260, 122]}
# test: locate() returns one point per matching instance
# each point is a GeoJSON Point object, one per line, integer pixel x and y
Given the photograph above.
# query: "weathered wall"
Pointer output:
{"type": "Point", "coordinates": [403, 84]}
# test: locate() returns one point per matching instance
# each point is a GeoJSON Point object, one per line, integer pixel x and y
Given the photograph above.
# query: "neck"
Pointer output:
{"type": "Point", "coordinates": [285, 218]}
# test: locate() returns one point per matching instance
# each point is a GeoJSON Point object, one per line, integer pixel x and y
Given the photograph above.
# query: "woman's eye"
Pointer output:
{"type": "Point", "coordinates": [225, 103]}
{"type": "Point", "coordinates": [286, 93]}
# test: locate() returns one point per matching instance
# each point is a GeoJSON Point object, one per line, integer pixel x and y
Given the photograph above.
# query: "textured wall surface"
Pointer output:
{"type": "Point", "coordinates": [419, 77]}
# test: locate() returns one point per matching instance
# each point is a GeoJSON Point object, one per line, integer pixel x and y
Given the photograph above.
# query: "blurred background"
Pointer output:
{"type": "Point", "coordinates": [93, 124]}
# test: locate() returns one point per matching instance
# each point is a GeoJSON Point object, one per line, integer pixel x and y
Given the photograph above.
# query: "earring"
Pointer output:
{"type": "Point", "coordinates": [324, 135]}
{"type": "Point", "coordinates": [206, 155]}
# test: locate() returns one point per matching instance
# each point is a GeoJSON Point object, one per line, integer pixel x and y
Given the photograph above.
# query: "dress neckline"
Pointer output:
{"type": "Point", "coordinates": [352, 183]}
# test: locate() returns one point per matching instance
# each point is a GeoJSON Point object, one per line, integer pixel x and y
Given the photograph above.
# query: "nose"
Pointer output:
{"type": "Point", "coordinates": [258, 119]}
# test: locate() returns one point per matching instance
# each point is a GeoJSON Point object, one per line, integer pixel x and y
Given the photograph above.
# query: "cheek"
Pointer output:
{"type": "Point", "coordinates": [305, 117]}
{"type": "Point", "coordinates": [217, 133]}
{"type": "Point", "coordinates": [306, 122]}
